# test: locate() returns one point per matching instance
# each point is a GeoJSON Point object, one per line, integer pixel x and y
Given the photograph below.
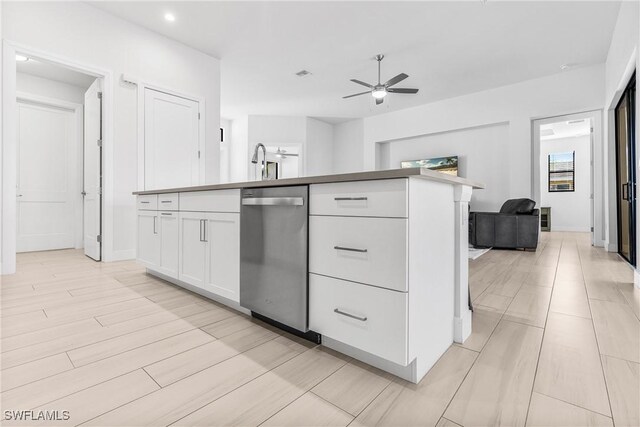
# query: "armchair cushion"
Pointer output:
{"type": "Point", "coordinates": [518, 206]}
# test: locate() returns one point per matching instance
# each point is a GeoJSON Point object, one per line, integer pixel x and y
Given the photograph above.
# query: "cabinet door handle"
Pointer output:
{"type": "Point", "coordinates": [166, 201]}
{"type": "Point", "coordinates": [204, 226]}
{"type": "Point", "coordinates": [339, 199]}
{"type": "Point", "coordinates": [353, 316]}
{"type": "Point", "coordinates": [166, 213]}
{"type": "Point", "coordinates": [201, 231]}
{"type": "Point", "coordinates": [342, 248]}
{"type": "Point", "coordinates": [155, 220]}
{"type": "Point", "coordinates": [145, 203]}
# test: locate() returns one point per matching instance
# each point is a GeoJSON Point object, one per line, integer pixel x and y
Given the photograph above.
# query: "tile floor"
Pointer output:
{"type": "Point", "coordinates": [555, 343]}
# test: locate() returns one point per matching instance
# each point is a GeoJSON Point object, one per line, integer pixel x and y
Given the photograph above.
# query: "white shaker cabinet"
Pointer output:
{"type": "Point", "coordinates": [223, 255]}
{"type": "Point", "coordinates": [192, 248]}
{"type": "Point", "coordinates": [210, 252]}
{"type": "Point", "coordinates": [148, 238]}
{"type": "Point", "coordinates": [169, 243]}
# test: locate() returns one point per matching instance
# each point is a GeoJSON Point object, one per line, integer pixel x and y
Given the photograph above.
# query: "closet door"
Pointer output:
{"type": "Point", "coordinates": [171, 141]}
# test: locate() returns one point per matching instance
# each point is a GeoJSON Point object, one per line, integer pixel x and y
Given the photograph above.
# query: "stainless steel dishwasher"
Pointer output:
{"type": "Point", "coordinates": [273, 256]}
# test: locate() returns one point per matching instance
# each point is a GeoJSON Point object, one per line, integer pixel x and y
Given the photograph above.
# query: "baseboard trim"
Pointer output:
{"type": "Point", "coordinates": [572, 229]}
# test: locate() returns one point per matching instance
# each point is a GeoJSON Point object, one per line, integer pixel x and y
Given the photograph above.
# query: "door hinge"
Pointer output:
{"type": "Point", "coordinates": [592, 229]}
{"type": "Point", "coordinates": [99, 143]}
{"type": "Point", "coordinates": [591, 130]}
{"type": "Point", "coordinates": [198, 153]}
{"type": "Point", "coordinates": [99, 95]}
{"type": "Point", "coordinates": [198, 116]}
{"type": "Point", "coordinates": [99, 238]}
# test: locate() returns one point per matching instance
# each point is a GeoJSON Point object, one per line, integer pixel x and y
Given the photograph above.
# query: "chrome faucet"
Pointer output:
{"type": "Point", "coordinates": [254, 159]}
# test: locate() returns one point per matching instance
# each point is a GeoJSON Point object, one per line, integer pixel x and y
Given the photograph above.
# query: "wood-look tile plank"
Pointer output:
{"type": "Point", "coordinates": [49, 334]}
{"type": "Point", "coordinates": [100, 398]}
{"type": "Point", "coordinates": [570, 298]}
{"type": "Point", "coordinates": [483, 324]}
{"type": "Point", "coordinates": [57, 386]}
{"type": "Point", "coordinates": [181, 398]}
{"type": "Point", "coordinates": [309, 410]}
{"type": "Point", "coordinates": [623, 383]}
{"type": "Point", "coordinates": [529, 306]}
{"type": "Point", "coordinates": [617, 329]}
{"type": "Point", "coordinates": [352, 387]}
{"type": "Point", "coordinates": [406, 404]}
{"type": "Point", "coordinates": [605, 290]}
{"type": "Point", "coordinates": [229, 326]}
{"type": "Point", "coordinates": [497, 389]}
{"type": "Point", "coordinates": [446, 423]}
{"type": "Point", "coordinates": [546, 411]}
{"type": "Point", "coordinates": [184, 364]}
{"type": "Point", "coordinates": [569, 368]}
{"type": "Point", "coordinates": [34, 371]}
{"type": "Point", "coordinates": [493, 302]}
{"type": "Point", "coordinates": [255, 402]}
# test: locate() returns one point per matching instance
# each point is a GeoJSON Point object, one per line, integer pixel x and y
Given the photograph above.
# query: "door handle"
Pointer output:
{"type": "Point", "coordinates": [273, 201]}
{"type": "Point", "coordinates": [84, 193]}
{"type": "Point", "coordinates": [342, 248]}
{"type": "Point", "coordinates": [353, 316]}
{"type": "Point", "coordinates": [18, 195]}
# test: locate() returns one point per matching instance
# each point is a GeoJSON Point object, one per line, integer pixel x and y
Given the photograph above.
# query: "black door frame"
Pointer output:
{"type": "Point", "coordinates": [631, 174]}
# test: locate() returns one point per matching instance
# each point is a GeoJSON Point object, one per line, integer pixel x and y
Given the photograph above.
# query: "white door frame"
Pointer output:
{"type": "Point", "coordinates": [77, 110]}
{"type": "Point", "coordinates": [9, 146]}
{"type": "Point", "coordinates": [141, 87]}
{"type": "Point", "coordinates": [597, 167]}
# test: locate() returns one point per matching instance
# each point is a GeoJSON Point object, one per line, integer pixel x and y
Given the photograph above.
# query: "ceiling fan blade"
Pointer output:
{"type": "Point", "coordinates": [362, 83]}
{"type": "Point", "coordinates": [402, 90]}
{"type": "Point", "coordinates": [356, 94]}
{"type": "Point", "coordinates": [397, 79]}
{"type": "Point", "coordinates": [379, 101]}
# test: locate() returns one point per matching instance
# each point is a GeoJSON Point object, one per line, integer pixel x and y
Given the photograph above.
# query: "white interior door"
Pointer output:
{"type": "Point", "coordinates": [46, 191]}
{"type": "Point", "coordinates": [93, 170]}
{"type": "Point", "coordinates": [171, 141]}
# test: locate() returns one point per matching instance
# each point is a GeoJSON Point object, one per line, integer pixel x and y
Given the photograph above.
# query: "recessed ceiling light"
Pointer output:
{"type": "Point", "coordinates": [169, 17]}
{"type": "Point", "coordinates": [22, 58]}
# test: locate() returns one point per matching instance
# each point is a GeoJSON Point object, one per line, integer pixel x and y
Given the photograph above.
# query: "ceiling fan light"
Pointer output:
{"type": "Point", "coordinates": [379, 93]}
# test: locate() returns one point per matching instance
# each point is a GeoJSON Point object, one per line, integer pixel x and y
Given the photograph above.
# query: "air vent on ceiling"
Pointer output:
{"type": "Point", "coordinates": [575, 122]}
{"type": "Point", "coordinates": [547, 132]}
{"type": "Point", "coordinates": [303, 73]}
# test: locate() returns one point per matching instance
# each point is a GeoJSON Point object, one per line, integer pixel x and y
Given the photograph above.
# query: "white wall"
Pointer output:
{"type": "Point", "coordinates": [86, 35]}
{"type": "Point", "coordinates": [279, 131]}
{"type": "Point", "coordinates": [570, 211]}
{"type": "Point", "coordinates": [40, 86]}
{"type": "Point", "coordinates": [347, 146]}
{"type": "Point", "coordinates": [239, 150]}
{"type": "Point", "coordinates": [479, 152]}
{"type": "Point", "coordinates": [319, 148]}
{"type": "Point", "coordinates": [622, 59]}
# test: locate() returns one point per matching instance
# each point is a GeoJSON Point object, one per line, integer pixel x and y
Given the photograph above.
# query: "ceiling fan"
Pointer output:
{"type": "Point", "coordinates": [282, 154]}
{"type": "Point", "coordinates": [380, 90]}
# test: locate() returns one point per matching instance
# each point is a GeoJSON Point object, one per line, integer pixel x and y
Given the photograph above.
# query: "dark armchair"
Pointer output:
{"type": "Point", "coordinates": [514, 227]}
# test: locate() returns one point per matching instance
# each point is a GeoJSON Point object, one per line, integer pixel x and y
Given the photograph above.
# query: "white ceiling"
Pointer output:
{"type": "Point", "coordinates": [565, 129]}
{"type": "Point", "coordinates": [54, 72]}
{"type": "Point", "coordinates": [447, 48]}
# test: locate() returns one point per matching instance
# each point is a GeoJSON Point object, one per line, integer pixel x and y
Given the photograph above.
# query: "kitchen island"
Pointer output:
{"type": "Point", "coordinates": [387, 257]}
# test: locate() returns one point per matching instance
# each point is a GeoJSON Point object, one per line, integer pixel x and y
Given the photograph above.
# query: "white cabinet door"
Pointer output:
{"type": "Point", "coordinates": [169, 243]}
{"type": "Point", "coordinates": [193, 248]}
{"type": "Point", "coordinates": [171, 141]}
{"type": "Point", "coordinates": [223, 255]}
{"type": "Point", "coordinates": [148, 239]}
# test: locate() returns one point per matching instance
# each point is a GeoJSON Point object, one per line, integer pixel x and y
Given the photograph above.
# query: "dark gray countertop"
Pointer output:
{"type": "Point", "coordinates": [422, 173]}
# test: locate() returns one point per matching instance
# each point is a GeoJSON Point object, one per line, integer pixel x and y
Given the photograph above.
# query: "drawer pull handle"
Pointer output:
{"type": "Point", "coordinates": [166, 201]}
{"type": "Point", "coordinates": [340, 199]}
{"type": "Point", "coordinates": [145, 203]}
{"type": "Point", "coordinates": [353, 316]}
{"type": "Point", "coordinates": [166, 213]}
{"type": "Point", "coordinates": [342, 248]}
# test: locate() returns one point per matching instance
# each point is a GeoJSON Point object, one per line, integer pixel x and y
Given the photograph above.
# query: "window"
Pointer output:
{"type": "Point", "coordinates": [562, 172]}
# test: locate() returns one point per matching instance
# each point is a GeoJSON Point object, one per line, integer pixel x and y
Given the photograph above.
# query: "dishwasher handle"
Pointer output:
{"type": "Point", "coordinates": [273, 201]}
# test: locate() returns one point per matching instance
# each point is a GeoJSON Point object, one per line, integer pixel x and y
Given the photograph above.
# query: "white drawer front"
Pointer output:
{"type": "Point", "coordinates": [148, 202]}
{"type": "Point", "coordinates": [365, 250]}
{"type": "Point", "coordinates": [168, 202]}
{"type": "Point", "coordinates": [385, 198]}
{"type": "Point", "coordinates": [211, 201]}
{"type": "Point", "coordinates": [365, 317]}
